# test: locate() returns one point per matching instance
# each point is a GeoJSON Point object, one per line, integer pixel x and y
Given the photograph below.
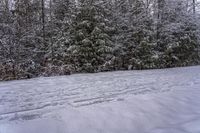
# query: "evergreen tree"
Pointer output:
{"type": "Point", "coordinates": [179, 42]}
{"type": "Point", "coordinates": [136, 36]}
{"type": "Point", "coordinates": [91, 42]}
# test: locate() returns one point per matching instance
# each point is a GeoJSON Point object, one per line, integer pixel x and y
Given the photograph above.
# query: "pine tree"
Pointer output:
{"type": "Point", "coordinates": [91, 41]}
{"type": "Point", "coordinates": [61, 14]}
{"type": "Point", "coordinates": [179, 37]}
{"type": "Point", "coordinates": [136, 37]}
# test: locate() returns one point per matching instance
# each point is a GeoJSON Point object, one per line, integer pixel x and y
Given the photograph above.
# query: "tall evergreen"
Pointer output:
{"type": "Point", "coordinates": [91, 40]}
{"type": "Point", "coordinates": [178, 38]}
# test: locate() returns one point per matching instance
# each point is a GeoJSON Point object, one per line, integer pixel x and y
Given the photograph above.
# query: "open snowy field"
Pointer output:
{"type": "Point", "coordinates": [150, 101]}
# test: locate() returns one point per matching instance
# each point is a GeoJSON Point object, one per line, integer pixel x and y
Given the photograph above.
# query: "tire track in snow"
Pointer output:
{"type": "Point", "coordinates": [42, 95]}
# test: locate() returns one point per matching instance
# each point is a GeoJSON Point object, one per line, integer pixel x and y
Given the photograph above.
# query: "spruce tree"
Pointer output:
{"type": "Point", "coordinates": [179, 38]}
{"type": "Point", "coordinates": [91, 42]}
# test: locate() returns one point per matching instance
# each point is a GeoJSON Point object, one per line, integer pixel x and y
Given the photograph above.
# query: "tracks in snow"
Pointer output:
{"type": "Point", "coordinates": [30, 99]}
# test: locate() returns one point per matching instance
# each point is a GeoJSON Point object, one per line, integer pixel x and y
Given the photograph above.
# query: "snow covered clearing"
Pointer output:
{"type": "Point", "coordinates": [151, 101]}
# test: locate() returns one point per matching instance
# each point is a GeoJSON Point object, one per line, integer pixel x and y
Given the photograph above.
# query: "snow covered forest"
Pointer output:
{"type": "Point", "coordinates": [60, 37]}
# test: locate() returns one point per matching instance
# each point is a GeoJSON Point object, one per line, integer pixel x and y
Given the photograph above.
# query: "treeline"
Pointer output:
{"type": "Point", "coordinates": [58, 37]}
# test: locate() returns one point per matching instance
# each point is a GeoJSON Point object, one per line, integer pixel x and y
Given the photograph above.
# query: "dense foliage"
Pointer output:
{"type": "Point", "coordinates": [58, 37]}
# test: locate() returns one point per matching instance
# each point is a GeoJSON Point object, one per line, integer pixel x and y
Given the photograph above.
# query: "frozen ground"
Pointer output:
{"type": "Point", "coordinates": [152, 101]}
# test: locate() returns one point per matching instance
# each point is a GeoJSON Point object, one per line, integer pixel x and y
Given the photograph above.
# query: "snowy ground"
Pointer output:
{"type": "Point", "coordinates": [152, 101]}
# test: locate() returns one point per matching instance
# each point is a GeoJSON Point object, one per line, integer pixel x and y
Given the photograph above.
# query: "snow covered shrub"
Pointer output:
{"type": "Point", "coordinates": [8, 71]}
{"type": "Point", "coordinates": [54, 70]}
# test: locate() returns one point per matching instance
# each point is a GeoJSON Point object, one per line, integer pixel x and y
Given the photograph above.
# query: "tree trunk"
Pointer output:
{"type": "Point", "coordinates": [51, 40]}
{"type": "Point", "coordinates": [160, 8]}
{"type": "Point", "coordinates": [43, 22]}
{"type": "Point", "coordinates": [194, 6]}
